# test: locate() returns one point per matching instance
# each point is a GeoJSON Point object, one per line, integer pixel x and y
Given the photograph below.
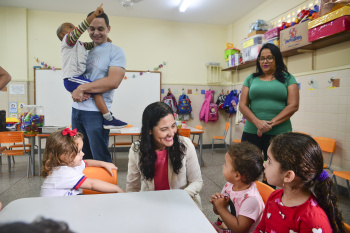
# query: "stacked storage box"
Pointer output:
{"type": "Point", "coordinates": [294, 37]}
{"type": "Point", "coordinates": [330, 24]}
{"type": "Point", "coordinates": [230, 54]}
{"type": "Point", "coordinates": [273, 36]}
{"type": "Point", "coordinates": [251, 47]}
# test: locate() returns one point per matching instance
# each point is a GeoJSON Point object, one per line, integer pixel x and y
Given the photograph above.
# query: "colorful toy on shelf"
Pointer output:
{"type": "Point", "coordinates": [31, 118]}
{"type": "Point", "coordinates": [303, 15]}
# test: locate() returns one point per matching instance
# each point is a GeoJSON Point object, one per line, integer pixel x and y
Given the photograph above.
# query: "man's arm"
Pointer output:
{"type": "Point", "coordinates": [112, 81]}
{"type": "Point", "coordinates": [5, 78]}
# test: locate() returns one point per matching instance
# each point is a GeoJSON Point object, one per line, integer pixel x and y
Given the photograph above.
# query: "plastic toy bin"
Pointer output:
{"type": "Point", "coordinates": [31, 118]}
{"type": "Point", "coordinates": [253, 40]}
{"type": "Point", "coordinates": [251, 47]}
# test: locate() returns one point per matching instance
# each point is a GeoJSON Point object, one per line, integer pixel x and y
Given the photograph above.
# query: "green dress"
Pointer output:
{"type": "Point", "coordinates": [267, 100]}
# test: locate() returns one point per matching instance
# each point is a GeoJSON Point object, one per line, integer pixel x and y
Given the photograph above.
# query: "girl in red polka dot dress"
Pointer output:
{"type": "Point", "coordinates": [295, 163]}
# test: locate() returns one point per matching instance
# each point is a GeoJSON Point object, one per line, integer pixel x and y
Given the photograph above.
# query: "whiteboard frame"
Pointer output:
{"type": "Point", "coordinates": [125, 92]}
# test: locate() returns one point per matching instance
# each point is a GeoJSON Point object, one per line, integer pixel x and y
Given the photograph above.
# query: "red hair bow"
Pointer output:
{"type": "Point", "coordinates": [69, 132]}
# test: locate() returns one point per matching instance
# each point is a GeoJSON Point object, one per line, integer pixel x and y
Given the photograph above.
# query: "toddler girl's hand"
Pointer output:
{"type": "Point", "coordinates": [99, 10]}
{"type": "Point", "coordinates": [215, 196]}
{"type": "Point", "coordinates": [221, 202]}
{"type": "Point", "coordinates": [109, 167]}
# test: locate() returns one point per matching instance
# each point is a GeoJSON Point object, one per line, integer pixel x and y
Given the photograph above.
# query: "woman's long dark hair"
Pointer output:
{"type": "Point", "coordinates": [147, 148]}
{"type": "Point", "coordinates": [301, 153]}
{"type": "Point", "coordinates": [281, 68]}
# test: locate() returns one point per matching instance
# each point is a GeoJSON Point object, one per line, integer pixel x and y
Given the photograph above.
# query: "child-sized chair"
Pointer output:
{"type": "Point", "coordinates": [264, 190]}
{"type": "Point", "coordinates": [14, 137]}
{"type": "Point", "coordinates": [99, 173]}
{"type": "Point", "coordinates": [184, 132]}
{"type": "Point", "coordinates": [342, 174]}
{"type": "Point", "coordinates": [326, 145]}
{"type": "Point", "coordinates": [220, 138]}
{"type": "Point", "coordinates": [347, 227]}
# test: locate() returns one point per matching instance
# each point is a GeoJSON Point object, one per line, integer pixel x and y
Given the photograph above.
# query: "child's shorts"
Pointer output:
{"type": "Point", "coordinates": [72, 83]}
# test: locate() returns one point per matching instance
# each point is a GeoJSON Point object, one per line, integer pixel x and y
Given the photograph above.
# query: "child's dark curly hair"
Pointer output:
{"type": "Point", "coordinates": [247, 160]}
{"type": "Point", "coordinates": [60, 150]}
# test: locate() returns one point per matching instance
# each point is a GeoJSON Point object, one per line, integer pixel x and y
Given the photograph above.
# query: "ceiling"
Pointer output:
{"type": "Point", "coordinates": [222, 12]}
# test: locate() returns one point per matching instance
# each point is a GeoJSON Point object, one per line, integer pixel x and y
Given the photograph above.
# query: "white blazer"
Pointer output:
{"type": "Point", "coordinates": [188, 179]}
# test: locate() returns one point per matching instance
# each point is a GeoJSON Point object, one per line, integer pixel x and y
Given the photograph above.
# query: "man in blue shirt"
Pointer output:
{"type": "Point", "coordinates": [105, 66]}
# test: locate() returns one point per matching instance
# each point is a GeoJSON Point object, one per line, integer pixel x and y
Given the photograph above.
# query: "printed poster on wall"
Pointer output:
{"type": "Point", "coordinates": [21, 106]}
{"type": "Point", "coordinates": [14, 115]}
{"type": "Point", "coordinates": [17, 89]}
{"type": "Point", "coordinates": [13, 107]}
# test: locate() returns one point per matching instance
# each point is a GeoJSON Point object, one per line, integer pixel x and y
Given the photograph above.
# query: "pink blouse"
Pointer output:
{"type": "Point", "coordinates": [161, 180]}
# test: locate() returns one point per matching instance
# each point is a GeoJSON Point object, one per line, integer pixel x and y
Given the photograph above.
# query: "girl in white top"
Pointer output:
{"type": "Point", "coordinates": [63, 167]}
{"type": "Point", "coordinates": [243, 165]}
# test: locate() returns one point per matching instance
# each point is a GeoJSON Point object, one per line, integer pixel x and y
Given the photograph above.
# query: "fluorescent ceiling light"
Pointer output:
{"type": "Point", "coordinates": [183, 5]}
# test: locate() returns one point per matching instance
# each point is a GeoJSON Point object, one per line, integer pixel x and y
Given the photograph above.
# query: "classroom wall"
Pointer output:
{"type": "Point", "coordinates": [13, 42]}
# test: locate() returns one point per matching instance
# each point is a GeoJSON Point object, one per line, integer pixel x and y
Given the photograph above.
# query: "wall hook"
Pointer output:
{"type": "Point", "coordinates": [331, 80]}
{"type": "Point", "coordinates": [311, 82]}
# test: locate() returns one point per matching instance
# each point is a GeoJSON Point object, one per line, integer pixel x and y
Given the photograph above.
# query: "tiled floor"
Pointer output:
{"type": "Point", "coordinates": [16, 185]}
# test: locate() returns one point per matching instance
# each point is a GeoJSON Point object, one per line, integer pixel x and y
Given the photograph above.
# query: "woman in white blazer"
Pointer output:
{"type": "Point", "coordinates": [161, 159]}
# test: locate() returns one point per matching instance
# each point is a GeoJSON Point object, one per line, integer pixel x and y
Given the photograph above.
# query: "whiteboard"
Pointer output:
{"type": "Point", "coordinates": [130, 99]}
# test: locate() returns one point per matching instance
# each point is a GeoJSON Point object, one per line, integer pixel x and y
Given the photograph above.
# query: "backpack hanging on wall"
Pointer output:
{"type": "Point", "coordinates": [221, 99]}
{"type": "Point", "coordinates": [184, 108]}
{"type": "Point", "coordinates": [231, 102]}
{"type": "Point", "coordinates": [209, 110]}
{"type": "Point", "coordinates": [170, 100]}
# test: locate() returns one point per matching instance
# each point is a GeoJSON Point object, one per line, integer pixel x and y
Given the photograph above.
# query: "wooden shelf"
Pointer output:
{"type": "Point", "coordinates": [318, 44]}
{"type": "Point", "coordinates": [242, 66]}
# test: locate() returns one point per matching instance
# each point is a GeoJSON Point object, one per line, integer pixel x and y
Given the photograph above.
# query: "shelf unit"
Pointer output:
{"type": "Point", "coordinates": [318, 44]}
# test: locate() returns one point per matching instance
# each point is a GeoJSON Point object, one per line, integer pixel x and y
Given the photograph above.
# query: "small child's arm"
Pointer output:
{"type": "Point", "coordinates": [238, 224]}
{"type": "Point", "coordinates": [101, 186]}
{"type": "Point", "coordinates": [95, 163]}
{"type": "Point", "coordinates": [74, 35]}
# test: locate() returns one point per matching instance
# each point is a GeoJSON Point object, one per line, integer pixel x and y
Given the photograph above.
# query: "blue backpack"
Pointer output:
{"type": "Point", "coordinates": [184, 106]}
{"type": "Point", "coordinates": [231, 102]}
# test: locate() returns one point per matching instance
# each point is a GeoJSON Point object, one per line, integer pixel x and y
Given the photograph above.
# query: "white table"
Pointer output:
{"type": "Point", "coordinates": [154, 211]}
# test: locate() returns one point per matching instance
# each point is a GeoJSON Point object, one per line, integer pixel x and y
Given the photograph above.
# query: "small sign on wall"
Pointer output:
{"type": "Point", "coordinates": [21, 106]}
{"type": "Point", "coordinates": [17, 89]}
{"type": "Point", "coordinates": [13, 107]}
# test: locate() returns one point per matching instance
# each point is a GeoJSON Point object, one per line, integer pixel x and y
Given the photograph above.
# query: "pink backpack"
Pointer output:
{"type": "Point", "coordinates": [209, 110]}
{"type": "Point", "coordinates": [170, 100]}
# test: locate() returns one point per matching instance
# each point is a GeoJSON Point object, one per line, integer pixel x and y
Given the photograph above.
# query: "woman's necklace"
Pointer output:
{"type": "Point", "coordinates": [267, 79]}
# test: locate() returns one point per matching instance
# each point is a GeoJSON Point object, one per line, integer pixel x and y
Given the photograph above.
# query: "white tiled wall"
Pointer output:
{"type": "Point", "coordinates": [325, 112]}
